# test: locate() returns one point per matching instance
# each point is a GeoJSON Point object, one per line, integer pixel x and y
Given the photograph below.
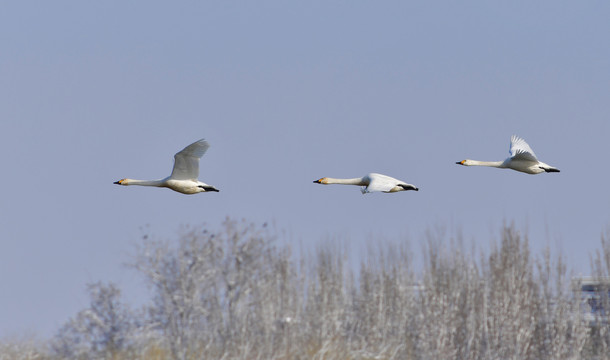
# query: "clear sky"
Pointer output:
{"type": "Point", "coordinates": [287, 92]}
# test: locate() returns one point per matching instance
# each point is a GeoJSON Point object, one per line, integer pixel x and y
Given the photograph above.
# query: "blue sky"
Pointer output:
{"type": "Point", "coordinates": [286, 93]}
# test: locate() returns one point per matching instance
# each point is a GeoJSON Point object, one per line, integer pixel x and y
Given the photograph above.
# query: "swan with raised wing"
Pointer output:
{"type": "Point", "coordinates": [185, 173]}
{"type": "Point", "coordinates": [371, 183]}
{"type": "Point", "coordinates": [522, 158]}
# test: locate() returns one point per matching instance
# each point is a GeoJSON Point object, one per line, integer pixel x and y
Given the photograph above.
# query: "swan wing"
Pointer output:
{"type": "Point", "coordinates": [378, 182]}
{"type": "Point", "coordinates": [520, 150]}
{"type": "Point", "coordinates": [186, 162]}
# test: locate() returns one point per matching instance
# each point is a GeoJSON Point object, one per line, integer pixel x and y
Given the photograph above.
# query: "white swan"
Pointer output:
{"type": "Point", "coordinates": [371, 182]}
{"type": "Point", "coordinates": [522, 158]}
{"type": "Point", "coordinates": [184, 175]}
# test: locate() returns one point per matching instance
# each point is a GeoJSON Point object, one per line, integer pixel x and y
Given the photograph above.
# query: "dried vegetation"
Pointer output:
{"type": "Point", "coordinates": [234, 294]}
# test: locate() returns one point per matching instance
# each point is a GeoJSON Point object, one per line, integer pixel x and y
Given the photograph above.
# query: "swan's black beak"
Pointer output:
{"type": "Point", "coordinates": [316, 181]}
{"type": "Point", "coordinates": [117, 182]}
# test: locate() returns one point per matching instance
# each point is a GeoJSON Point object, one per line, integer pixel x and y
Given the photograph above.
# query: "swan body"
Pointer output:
{"type": "Point", "coordinates": [185, 173]}
{"type": "Point", "coordinates": [522, 158]}
{"type": "Point", "coordinates": [371, 183]}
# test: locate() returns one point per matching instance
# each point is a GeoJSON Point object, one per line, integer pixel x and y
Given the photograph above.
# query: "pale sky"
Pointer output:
{"type": "Point", "coordinates": [286, 93]}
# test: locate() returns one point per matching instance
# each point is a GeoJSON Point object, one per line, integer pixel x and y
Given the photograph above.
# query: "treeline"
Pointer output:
{"type": "Point", "coordinates": [236, 294]}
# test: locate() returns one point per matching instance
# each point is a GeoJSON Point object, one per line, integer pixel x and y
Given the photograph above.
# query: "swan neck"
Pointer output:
{"type": "Point", "coordinates": [158, 183]}
{"type": "Point", "coordinates": [354, 181]}
{"type": "Point", "coordinates": [497, 164]}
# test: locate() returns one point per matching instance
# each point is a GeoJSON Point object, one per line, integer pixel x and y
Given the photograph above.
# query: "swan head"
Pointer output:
{"type": "Point", "coordinates": [464, 162]}
{"type": "Point", "coordinates": [321, 181]}
{"type": "Point", "coordinates": [121, 182]}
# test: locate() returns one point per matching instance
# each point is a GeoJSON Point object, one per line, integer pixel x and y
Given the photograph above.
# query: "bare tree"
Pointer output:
{"type": "Point", "coordinates": [179, 276]}
{"type": "Point", "coordinates": [212, 290]}
{"type": "Point", "coordinates": [100, 331]}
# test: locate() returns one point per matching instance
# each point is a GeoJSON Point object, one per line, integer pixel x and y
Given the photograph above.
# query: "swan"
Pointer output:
{"type": "Point", "coordinates": [184, 175]}
{"type": "Point", "coordinates": [522, 158]}
{"type": "Point", "coordinates": [371, 182]}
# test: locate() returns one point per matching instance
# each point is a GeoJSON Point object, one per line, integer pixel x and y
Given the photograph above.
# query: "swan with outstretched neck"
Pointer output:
{"type": "Point", "coordinates": [184, 175]}
{"type": "Point", "coordinates": [371, 182]}
{"type": "Point", "coordinates": [522, 158]}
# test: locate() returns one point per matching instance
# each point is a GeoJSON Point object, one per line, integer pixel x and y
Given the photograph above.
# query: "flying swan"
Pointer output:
{"type": "Point", "coordinates": [184, 175]}
{"type": "Point", "coordinates": [522, 158]}
{"type": "Point", "coordinates": [371, 182]}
